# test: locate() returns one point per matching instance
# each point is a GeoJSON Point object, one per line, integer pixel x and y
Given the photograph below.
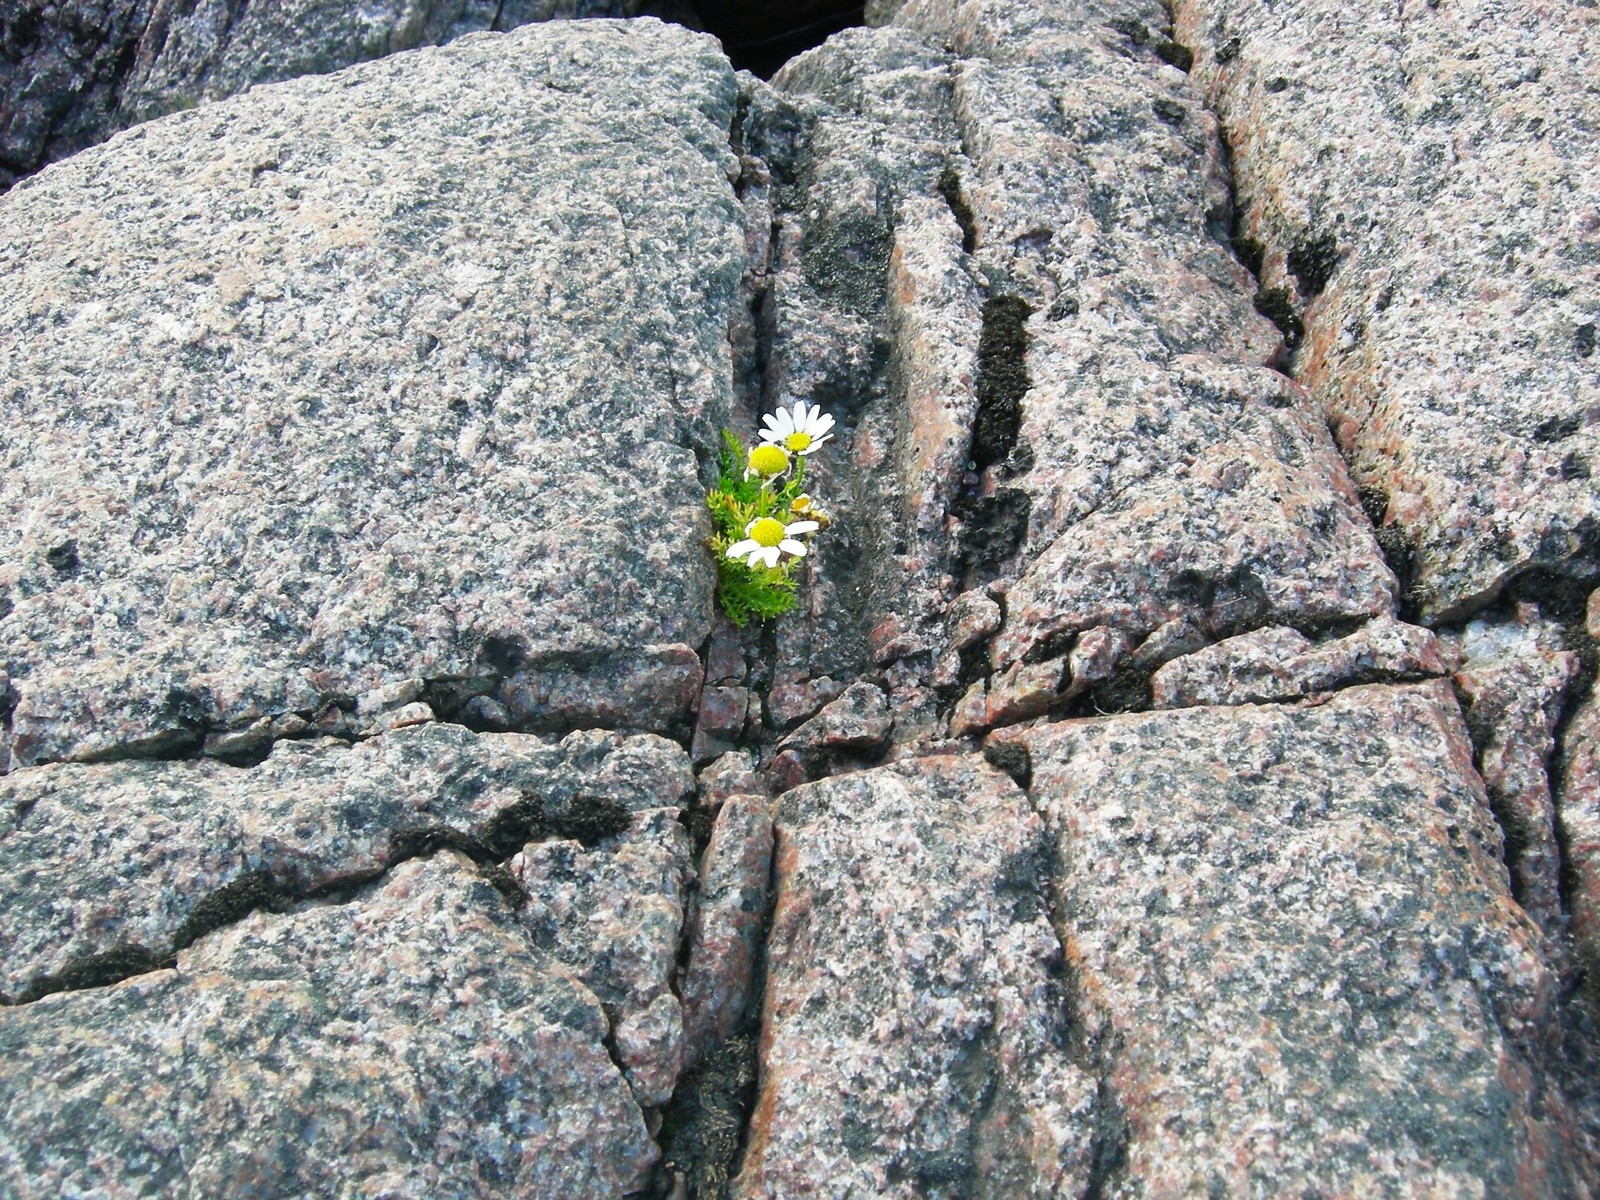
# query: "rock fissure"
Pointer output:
{"type": "Point", "coordinates": [586, 822]}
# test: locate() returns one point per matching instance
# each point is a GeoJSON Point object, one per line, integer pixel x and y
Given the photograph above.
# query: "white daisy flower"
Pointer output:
{"type": "Point", "coordinates": [800, 431]}
{"type": "Point", "coordinates": [765, 539]}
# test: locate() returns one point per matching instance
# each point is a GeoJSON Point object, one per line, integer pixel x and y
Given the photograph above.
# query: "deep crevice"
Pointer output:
{"type": "Point", "coordinates": [705, 1127]}
{"type": "Point", "coordinates": [761, 37]}
{"type": "Point", "coordinates": [1108, 1139]}
{"type": "Point", "coordinates": [950, 188]}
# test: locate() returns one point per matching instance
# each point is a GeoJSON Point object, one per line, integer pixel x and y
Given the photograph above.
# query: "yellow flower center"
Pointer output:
{"type": "Point", "coordinates": [800, 504]}
{"type": "Point", "coordinates": [768, 460]}
{"type": "Point", "coordinates": [797, 441]}
{"type": "Point", "coordinates": [766, 532]}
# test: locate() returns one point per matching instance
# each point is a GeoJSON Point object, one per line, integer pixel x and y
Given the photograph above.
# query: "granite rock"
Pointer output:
{"type": "Point", "coordinates": [298, 409]}
{"type": "Point", "coordinates": [73, 72]}
{"type": "Point", "coordinates": [406, 1043]}
{"type": "Point", "coordinates": [1296, 955]}
{"type": "Point", "coordinates": [1578, 818]}
{"type": "Point", "coordinates": [1051, 379]}
{"type": "Point", "coordinates": [1513, 682]}
{"type": "Point", "coordinates": [613, 914]}
{"type": "Point", "coordinates": [911, 1040]}
{"type": "Point", "coordinates": [1278, 663]}
{"type": "Point", "coordinates": [726, 932]}
{"type": "Point", "coordinates": [858, 719]}
{"type": "Point", "coordinates": [111, 868]}
{"type": "Point", "coordinates": [1421, 183]}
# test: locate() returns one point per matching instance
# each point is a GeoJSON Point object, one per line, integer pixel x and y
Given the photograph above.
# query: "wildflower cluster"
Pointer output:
{"type": "Point", "coordinates": [760, 515]}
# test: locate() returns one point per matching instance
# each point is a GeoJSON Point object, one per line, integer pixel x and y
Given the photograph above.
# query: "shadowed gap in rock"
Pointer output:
{"type": "Point", "coordinates": [760, 38]}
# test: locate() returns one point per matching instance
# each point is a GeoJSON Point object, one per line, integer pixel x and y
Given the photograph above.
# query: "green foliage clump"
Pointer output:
{"type": "Point", "coordinates": [740, 498]}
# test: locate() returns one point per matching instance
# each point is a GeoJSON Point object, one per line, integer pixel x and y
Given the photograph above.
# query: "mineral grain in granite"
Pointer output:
{"type": "Point", "coordinates": [72, 72]}
{"type": "Point", "coordinates": [912, 1042]}
{"type": "Point", "coordinates": [113, 867]}
{"type": "Point", "coordinates": [1278, 664]}
{"type": "Point", "coordinates": [407, 1043]}
{"type": "Point", "coordinates": [297, 406]}
{"type": "Point", "coordinates": [1421, 181]}
{"type": "Point", "coordinates": [1295, 953]}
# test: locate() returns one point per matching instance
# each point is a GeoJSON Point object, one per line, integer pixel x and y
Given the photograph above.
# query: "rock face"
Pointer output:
{"type": "Point", "coordinates": [357, 417]}
{"type": "Point", "coordinates": [72, 72]}
{"type": "Point", "coordinates": [1296, 953]}
{"type": "Point", "coordinates": [383, 802]}
{"type": "Point", "coordinates": [911, 1043]}
{"type": "Point", "coordinates": [1422, 184]}
{"type": "Point", "coordinates": [405, 1043]}
{"type": "Point", "coordinates": [994, 249]}
{"type": "Point", "coordinates": [192, 844]}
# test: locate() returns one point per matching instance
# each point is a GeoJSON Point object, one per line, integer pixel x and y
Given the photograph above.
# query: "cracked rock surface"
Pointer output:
{"type": "Point", "coordinates": [1421, 179]}
{"type": "Point", "coordinates": [910, 1039]}
{"type": "Point", "coordinates": [110, 868]}
{"type": "Point", "coordinates": [311, 410]}
{"type": "Point", "coordinates": [1297, 954]}
{"type": "Point", "coordinates": [408, 1042]}
{"type": "Point", "coordinates": [72, 72]}
{"type": "Point", "coordinates": [1212, 406]}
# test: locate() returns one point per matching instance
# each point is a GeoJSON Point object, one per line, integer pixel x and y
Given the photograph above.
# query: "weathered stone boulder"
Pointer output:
{"type": "Point", "coordinates": [73, 72]}
{"type": "Point", "coordinates": [1281, 664]}
{"type": "Point", "coordinates": [1295, 952]}
{"type": "Point", "coordinates": [404, 374]}
{"type": "Point", "coordinates": [1421, 182]}
{"type": "Point", "coordinates": [111, 868]}
{"type": "Point", "coordinates": [995, 248]}
{"type": "Point", "coordinates": [409, 1041]}
{"type": "Point", "coordinates": [911, 1039]}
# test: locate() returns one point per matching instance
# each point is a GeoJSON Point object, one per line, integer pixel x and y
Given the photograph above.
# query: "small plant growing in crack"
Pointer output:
{"type": "Point", "coordinates": [762, 518]}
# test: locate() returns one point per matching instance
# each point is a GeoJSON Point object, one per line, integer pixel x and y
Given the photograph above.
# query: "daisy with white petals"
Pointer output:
{"type": "Point", "coordinates": [765, 539]}
{"type": "Point", "coordinates": [800, 431]}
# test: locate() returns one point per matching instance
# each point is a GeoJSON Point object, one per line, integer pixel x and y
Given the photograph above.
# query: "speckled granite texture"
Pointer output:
{"type": "Point", "coordinates": [72, 72]}
{"type": "Point", "coordinates": [111, 867]}
{"type": "Point", "coordinates": [1421, 179]}
{"type": "Point", "coordinates": [1181, 776]}
{"type": "Point", "coordinates": [1296, 953]}
{"type": "Point", "coordinates": [911, 1036]}
{"type": "Point", "coordinates": [406, 1043]}
{"type": "Point", "coordinates": [312, 409]}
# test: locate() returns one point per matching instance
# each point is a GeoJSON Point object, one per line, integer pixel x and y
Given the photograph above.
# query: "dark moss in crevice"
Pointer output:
{"type": "Point", "coordinates": [99, 970]}
{"type": "Point", "coordinates": [847, 261]}
{"type": "Point", "coordinates": [1002, 379]}
{"type": "Point", "coordinates": [1250, 252]}
{"type": "Point", "coordinates": [1399, 546]}
{"type": "Point", "coordinates": [992, 529]}
{"type": "Point", "coordinates": [950, 189]}
{"type": "Point", "coordinates": [1013, 758]}
{"type": "Point", "coordinates": [1312, 262]}
{"type": "Point", "coordinates": [1275, 305]}
{"type": "Point", "coordinates": [703, 1130]}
